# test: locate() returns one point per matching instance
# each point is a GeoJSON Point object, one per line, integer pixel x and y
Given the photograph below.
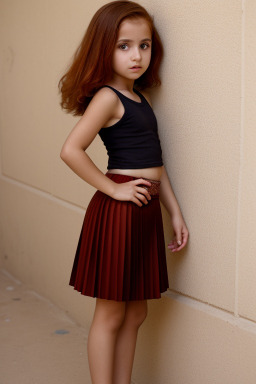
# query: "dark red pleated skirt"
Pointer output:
{"type": "Point", "coordinates": [121, 251]}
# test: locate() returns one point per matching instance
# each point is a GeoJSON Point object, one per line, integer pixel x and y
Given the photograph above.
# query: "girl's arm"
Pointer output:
{"type": "Point", "coordinates": [167, 196]}
{"type": "Point", "coordinates": [169, 201]}
{"type": "Point", "coordinates": [103, 107]}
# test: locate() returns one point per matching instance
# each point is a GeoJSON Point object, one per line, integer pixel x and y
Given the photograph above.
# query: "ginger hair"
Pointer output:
{"type": "Point", "coordinates": [91, 66]}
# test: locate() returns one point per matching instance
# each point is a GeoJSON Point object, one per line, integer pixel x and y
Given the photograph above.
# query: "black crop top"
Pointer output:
{"type": "Point", "coordinates": [133, 141]}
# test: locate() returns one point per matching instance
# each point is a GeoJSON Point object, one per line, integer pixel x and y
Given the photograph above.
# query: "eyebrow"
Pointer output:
{"type": "Point", "coordinates": [129, 41]}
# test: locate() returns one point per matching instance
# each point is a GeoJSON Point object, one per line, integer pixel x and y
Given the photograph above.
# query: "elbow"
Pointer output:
{"type": "Point", "coordinates": [64, 153]}
{"type": "Point", "coordinates": [69, 153]}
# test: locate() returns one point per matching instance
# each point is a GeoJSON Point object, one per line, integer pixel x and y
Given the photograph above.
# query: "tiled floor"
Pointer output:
{"type": "Point", "coordinates": [39, 343]}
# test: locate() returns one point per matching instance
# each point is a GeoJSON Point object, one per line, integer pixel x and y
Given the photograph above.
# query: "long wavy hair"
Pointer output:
{"type": "Point", "coordinates": [91, 67]}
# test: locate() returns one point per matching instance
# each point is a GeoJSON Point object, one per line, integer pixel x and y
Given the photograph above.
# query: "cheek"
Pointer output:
{"type": "Point", "coordinates": [118, 58]}
{"type": "Point", "coordinates": [148, 56]}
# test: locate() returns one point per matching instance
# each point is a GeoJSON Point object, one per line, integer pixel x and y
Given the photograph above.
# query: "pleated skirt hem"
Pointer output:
{"type": "Point", "coordinates": [121, 299]}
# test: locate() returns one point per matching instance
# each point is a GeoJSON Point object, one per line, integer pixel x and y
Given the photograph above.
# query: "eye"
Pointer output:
{"type": "Point", "coordinates": [123, 47]}
{"type": "Point", "coordinates": [145, 45]}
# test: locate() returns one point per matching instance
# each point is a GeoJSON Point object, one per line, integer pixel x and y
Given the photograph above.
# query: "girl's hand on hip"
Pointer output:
{"type": "Point", "coordinates": [132, 191]}
{"type": "Point", "coordinates": [180, 233]}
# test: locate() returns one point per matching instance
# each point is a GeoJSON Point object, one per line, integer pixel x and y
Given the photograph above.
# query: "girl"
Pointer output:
{"type": "Point", "coordinates": [120, 257]}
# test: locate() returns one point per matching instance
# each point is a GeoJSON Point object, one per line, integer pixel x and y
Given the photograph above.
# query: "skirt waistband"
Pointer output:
{"type": "Point", "coordinates": [153, 189]}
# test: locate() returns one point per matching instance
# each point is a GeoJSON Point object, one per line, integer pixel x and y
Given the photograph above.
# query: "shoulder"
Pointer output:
{"type": "Point", "coordinates": [147, 96]}
{"type": "Point", "coordinates": [104, 103]}
{"type": "Point", "coordinates": [105, 96]}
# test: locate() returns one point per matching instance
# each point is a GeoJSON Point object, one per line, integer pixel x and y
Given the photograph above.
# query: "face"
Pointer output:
{"type": "Point", "coordinates": [132, 52]}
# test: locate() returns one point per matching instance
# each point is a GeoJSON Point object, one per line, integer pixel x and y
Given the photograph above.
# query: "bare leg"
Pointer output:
{"type": "Point", "coordinates": [135, 314]}
{"type": "Point", "coordinates": [107, 320]}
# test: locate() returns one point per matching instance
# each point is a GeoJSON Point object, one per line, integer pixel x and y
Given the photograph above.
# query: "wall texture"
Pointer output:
{"type": "Point", "coordinates": [204, 329]}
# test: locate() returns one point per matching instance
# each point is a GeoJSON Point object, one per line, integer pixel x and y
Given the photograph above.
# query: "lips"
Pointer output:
{"type": "Point", "coordinates": [135, 67]}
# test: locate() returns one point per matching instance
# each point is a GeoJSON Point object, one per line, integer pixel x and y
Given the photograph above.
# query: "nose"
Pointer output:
{"type": "Point", "coordinates": [136, 54]}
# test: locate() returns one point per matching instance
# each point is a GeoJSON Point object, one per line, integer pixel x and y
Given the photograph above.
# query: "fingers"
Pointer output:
{"type": "Point", "coordinates": [144, 193]}
{"type": "Point", "coordinates": [142, 181]}
{"type": "Point", "coordinates": [174, 246]}
{"type": "Point", "coordinates": [179, 241]}
{"type": "Point", "coordinates": [141, 195]}
{"type": "Point", "coordinates": [141, 199]}
{"type": "Point", "coordinates": [137, 202]}
{"type": "Point", "coordinates": [132, 191]}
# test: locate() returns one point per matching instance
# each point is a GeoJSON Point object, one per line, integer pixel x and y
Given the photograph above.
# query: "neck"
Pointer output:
{"type": "Point", "coordinates": [124, 84]}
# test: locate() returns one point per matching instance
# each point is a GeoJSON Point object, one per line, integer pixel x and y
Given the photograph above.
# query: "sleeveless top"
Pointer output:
{"type": "Point", "coordinates": [133, 142]}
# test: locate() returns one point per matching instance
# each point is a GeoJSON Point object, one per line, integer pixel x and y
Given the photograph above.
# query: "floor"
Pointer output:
{"type": "Point", "coordinates": [39, 343]}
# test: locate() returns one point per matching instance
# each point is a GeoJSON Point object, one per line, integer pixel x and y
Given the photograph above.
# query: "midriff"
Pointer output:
{"type": "Point", "coordinates": [153, 173]}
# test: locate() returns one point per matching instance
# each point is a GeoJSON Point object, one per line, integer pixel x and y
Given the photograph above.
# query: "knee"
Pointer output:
{"type": "Point", "coordinates": [114, 321]}
{"type": "Point", "coordinates": [137, 315]}
{"type": "Point", "coordinates": [110, 315]}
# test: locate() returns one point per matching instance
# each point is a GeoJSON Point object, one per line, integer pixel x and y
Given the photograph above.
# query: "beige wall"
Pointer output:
{"type": "Point", "coordinates": [203, 330]}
